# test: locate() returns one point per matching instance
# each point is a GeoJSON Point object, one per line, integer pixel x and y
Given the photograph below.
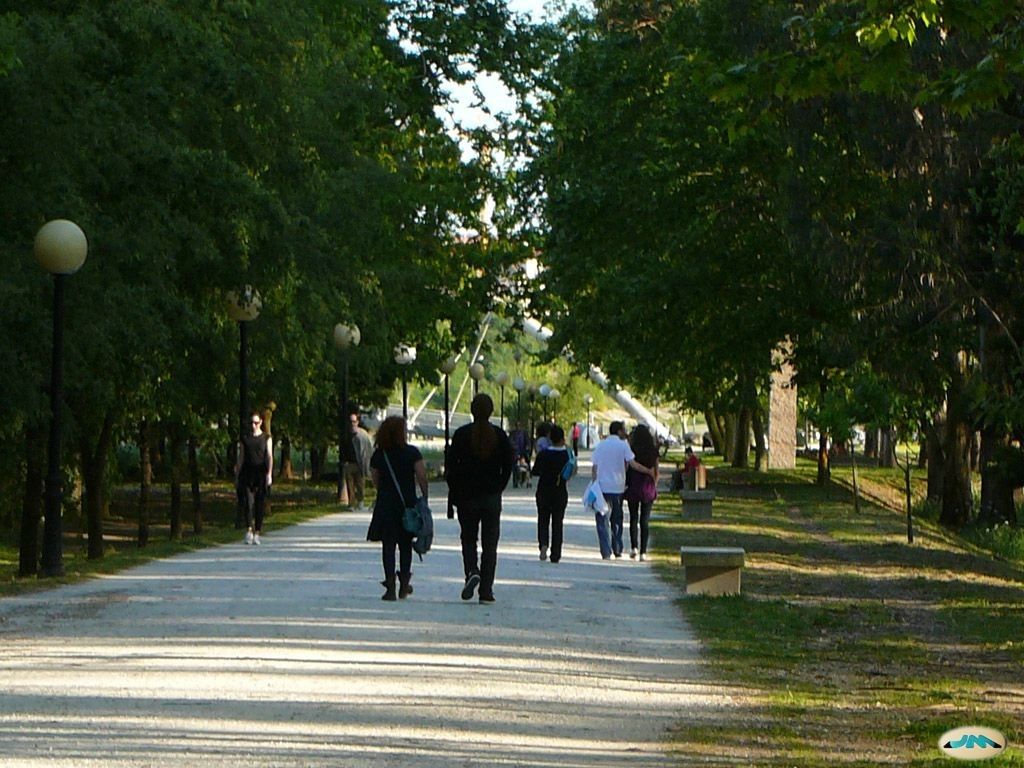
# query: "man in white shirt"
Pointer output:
{"type": "Point", "coordinates": [610, 459]}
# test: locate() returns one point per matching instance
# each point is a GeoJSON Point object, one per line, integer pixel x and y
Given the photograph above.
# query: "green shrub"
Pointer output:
{"type": "Point", "coordinates": [1004, 540]}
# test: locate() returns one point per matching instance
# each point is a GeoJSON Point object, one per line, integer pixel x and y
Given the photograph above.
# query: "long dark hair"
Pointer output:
{"type": "Point", "coordinates": [391, 433]}
{"type": "Point", "coordinates": [483, 439]}
{"type": "Point", "coordinates": [643, 445]}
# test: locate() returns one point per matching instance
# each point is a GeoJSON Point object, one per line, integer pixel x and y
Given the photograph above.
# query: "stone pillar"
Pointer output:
{"type": "Point", "coordinates": [782, 415]}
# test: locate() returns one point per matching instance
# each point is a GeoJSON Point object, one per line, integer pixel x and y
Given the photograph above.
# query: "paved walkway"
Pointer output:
{"type": "Point", "coordinates": [285, 655]}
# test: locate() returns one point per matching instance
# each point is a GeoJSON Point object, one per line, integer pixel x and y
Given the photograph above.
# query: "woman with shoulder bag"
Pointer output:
{"type": "Point", "coordinates": [641, 489]}
{"type": "Point", "coordinates": [397, 468]}
{"type": "Point", "coordinates": [552, 494]}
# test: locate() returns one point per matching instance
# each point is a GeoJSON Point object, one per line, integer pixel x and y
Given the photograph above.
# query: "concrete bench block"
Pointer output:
{"type": "Point", "coordinates": [697, 504]}
{"type": "Point", "coordinates": [712, 570]}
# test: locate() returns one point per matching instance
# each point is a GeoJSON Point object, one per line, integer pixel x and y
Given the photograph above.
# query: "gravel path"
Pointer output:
{"type": "Point", "coordinates": [285, 655]}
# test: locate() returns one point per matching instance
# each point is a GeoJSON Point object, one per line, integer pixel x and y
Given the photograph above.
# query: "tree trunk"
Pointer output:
{"type": "Point", "coordinates": [145, 481]}
{"type": "Point", "coordinates": [231, 456]}
{"type": "Point", "coordinates": [956, 477]}
{"type": "Point", "coordinates": [317, 457]}
{"type": "Point", "coordinates": [934, 444]}
{"type": "Point", "coordinates": [856, 487]}
{"type": "Point", "coordinates": [741, 440]}
{"type": "Point", "coordinates": [287, 471]}
{"type": "Point", "coordinates": [870, 443]}
{"type": "Point", "coordinates": [824, 470]}
{"type": "Point", "coordinates": [922, 451]}
{"type": "Point", "coordinates": [729, 430]}
{"type": "Point", "coordinates": [887, 448]}
{"type": "Point", "coordinates": [173, 467]}
{"type": "Point", "coordinates": [193, 473]}
{"type": "Point", "coordinates": [761, 451]}
{"type": "Point", "coordinates": [997, 485]}
{"type": "Point", "coordinates": [715, 430]}
{"type": "Point", "coordinates": [32, 502]}
{"type": "Point", "coordinates": [94, 468]}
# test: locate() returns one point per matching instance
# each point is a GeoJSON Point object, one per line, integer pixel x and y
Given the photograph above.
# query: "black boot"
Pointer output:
{"type": "Point", "coordinates": [405, 585]}
{"type": "Point", "coordinates": [389, 586]}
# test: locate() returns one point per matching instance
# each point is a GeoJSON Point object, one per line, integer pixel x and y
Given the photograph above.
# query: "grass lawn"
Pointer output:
{"type": "Point", "coordinates": [290, 502]}
{"type": "Point", "coordinates": [850, 646]}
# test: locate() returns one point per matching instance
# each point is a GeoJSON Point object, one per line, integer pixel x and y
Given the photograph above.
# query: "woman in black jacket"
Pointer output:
{"type": "Point", "coordinates": [397, 468]}
{"type": "Point", "coordinates": [552, 494]}
{"type": "Point", "coordinates": [480, 464]}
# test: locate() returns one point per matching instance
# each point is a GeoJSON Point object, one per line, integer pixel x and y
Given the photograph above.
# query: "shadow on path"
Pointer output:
{"type": "Point", "coordinates": [284, 654]}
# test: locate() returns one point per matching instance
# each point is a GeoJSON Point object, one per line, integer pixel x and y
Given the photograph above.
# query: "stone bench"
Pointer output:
{"type": "Point", "coordinates": [712, 570]}
{"type": "Point", "coordinates": [697, 504]}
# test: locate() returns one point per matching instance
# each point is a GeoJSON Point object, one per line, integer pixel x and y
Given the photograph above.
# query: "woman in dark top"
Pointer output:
{"type": "Point", "coordinates": [479, 467]}
{"type": "Point", "coordinates": [552, 494]}
{"type": "Point", "coordinates": [641, 489]}
{"type": "Point", "coordinates": [254, 472]}
{"type": "Point", "coordinates": [386, 524]}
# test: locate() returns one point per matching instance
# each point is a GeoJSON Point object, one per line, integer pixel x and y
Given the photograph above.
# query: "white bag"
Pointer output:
{"type": "Point", "coordinates": [594, 501]}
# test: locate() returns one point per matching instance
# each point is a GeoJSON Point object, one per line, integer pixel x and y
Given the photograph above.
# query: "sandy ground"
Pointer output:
{"type": "Point", "coordinates": [285, 655]}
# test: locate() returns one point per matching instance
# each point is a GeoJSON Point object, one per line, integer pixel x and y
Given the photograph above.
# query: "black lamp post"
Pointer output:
{"type": "Point", "coordinates": [532, 394]}
{"type": "Point", "coordinates": [243, 307]}
{"type": "Point", "coordinates": [345, 337]}
{"type": "Point", "coordinates": [405, 355]}
{"type": "Point", "coordinates": [519, 385]}
{"type": "Point", "coordinates": [61, 248]}
{"type": "Point", "coordinates": [588, 400]}
{"type": "Point", "coordinates": [544, 390]}
{"type": "Point", "coordinates": [446, 368]}
{"type": "Point", "coordinates": [501, 380]}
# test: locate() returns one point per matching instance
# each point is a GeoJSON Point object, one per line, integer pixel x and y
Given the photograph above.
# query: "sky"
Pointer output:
{"type": "Point", "coordinates": [498, 99]}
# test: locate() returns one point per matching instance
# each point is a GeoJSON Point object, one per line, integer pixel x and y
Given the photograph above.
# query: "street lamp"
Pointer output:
{"type": "Point", "coordinates": [554, 394]}
{"type": "Point", "coordinates": [447, 367]}
{"type": "Point", "coordinates": [60, 248]}
{"type": "Point", "coordinates": [588, 400]}
{"type": "Point", "coordinates": [531, 390]}
{"type": "Point", "coordinates": [502, 380]}
{"type": "Point", "coordinates": [405, 355]}
{"type": "Point", "coordinates": [476, 372]}
{"type": "Point", "coordinates": [345, 337]}
{"type": "Point", "coordinates": [519, 384]}
{"type": "Point", "coordinates": [544, 390]}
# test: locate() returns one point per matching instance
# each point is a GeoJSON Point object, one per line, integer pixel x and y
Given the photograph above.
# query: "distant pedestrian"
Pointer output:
{"type": "Point", "coordinates": [641, 490]}
{"type": "Point", "coordinates": [552, 495]}
{"type": "Point", "coordinates": [356, 467]}
{"type": "Point", "coordinates": [543, 441]}
{"type": "Point", "coordinates": [481, 463]}
{"type": "Point", "coordinates": [610, 459]}
{"type": "Point", "coordinates": [576, 438]}
{"type": "Point", "coordinates": [396, 468]}
{"type": "Point", "coordinates": [521, 450]}
{"type": "Point", "coordinates": [254, 474]}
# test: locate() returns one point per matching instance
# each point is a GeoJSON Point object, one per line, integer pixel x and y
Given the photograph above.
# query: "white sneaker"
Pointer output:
{"type": "Point", "coordinates": [643, 556]}
{"type": "Point", "coordinates": [248, 537]}
{"type": "Point", "coordinates": [544, 554]}
{"type": "Point", "coordinates": [256, 539]}
{"type": "Point", "coordinates": [632, 553]}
